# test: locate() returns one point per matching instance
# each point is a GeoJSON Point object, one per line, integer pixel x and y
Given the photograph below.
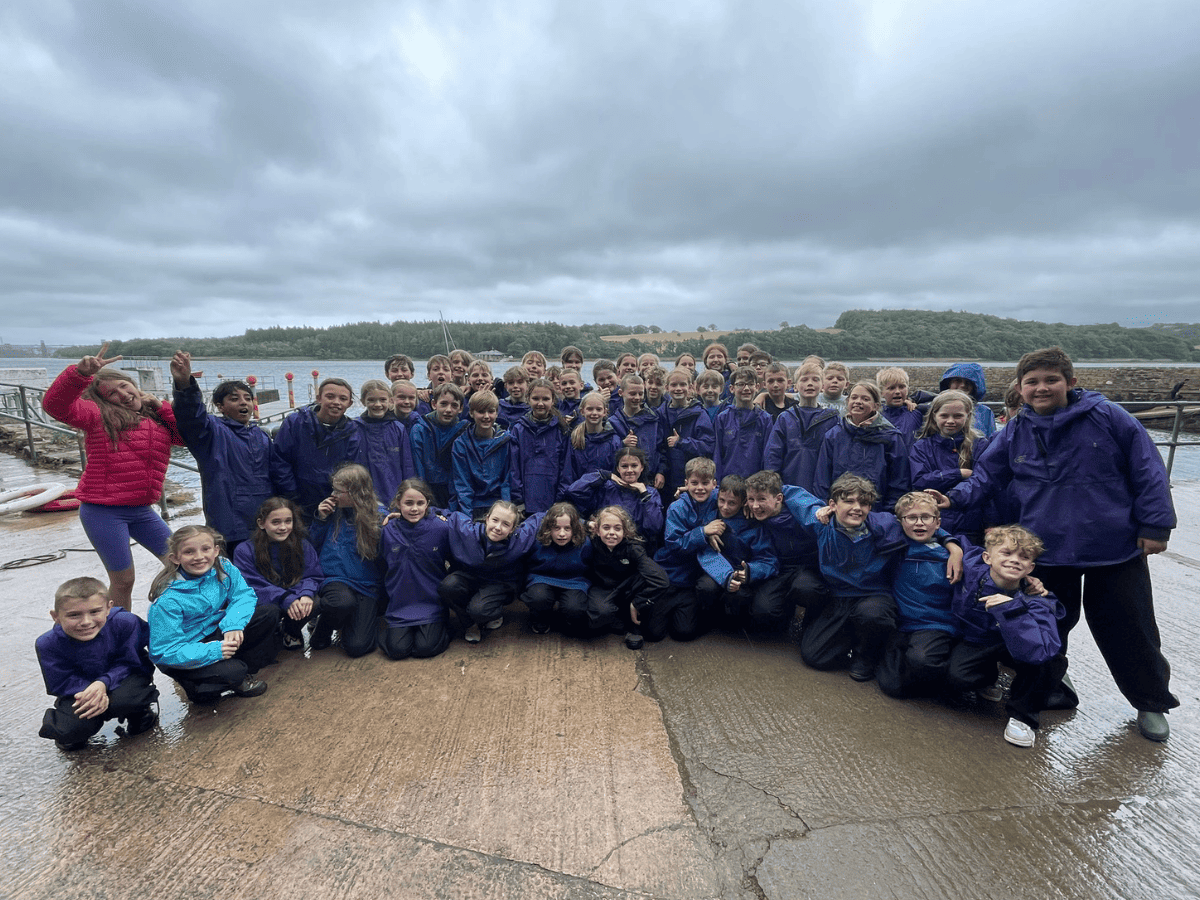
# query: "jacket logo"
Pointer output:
{"type": "Point", "coordinates": [1019, 459]}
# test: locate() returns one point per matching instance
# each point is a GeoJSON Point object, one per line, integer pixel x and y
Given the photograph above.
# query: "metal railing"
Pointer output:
{"type": "Point", "coordinates": [23, 403]}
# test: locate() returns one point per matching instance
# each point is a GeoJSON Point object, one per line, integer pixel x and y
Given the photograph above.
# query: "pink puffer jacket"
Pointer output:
{"type": "Point", "coordinates": [133, 473]}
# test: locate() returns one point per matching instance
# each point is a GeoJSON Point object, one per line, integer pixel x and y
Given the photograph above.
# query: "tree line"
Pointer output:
{"type": "Point", "coordinates": [860, 334]}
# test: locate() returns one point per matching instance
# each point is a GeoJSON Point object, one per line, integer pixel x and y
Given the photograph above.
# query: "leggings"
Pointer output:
{"type": "Point", "coordinates": [109, 528]}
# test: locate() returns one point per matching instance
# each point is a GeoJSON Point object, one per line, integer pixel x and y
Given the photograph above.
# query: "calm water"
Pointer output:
{"type": "Point", "coordinates": [270, 374]}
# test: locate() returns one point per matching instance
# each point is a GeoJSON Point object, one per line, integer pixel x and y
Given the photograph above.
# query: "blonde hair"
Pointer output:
{"type": "Point", "coordinates": [373, 384]}
{"type": "Point", "coordinates": [913, 499]}
{"type": "Point", "coordinates": [579, 432]}
{"type": "Point", "coordinates": [170, 570]}
{"type": "Point", "coordinates": [356, 481]}
{"type": "Point", "coordinates": [970, 434]}
{"type": "Point", "coordinates": [891, 375]}
{"type": "Point", "coordinates": [627, 523]}
{"type": "Point", "coordinates": [1024, 540]}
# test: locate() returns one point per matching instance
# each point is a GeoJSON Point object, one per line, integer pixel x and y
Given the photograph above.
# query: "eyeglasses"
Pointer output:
{"type": "Point", "coordinates": [923, 519]}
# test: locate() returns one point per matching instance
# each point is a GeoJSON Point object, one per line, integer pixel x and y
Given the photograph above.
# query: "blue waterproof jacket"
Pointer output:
{"type": "Point", "coordinates": [432, 446]}
{"type": "Point", "coordinates": [795, 442]}
{"type": "Point", "coordinates": [509, 412]}
{"type": "Point", "coordinates": [683, 539]}
{"type": "Point", "coordinates": [266, 590]}
{"type": "Point", "coordinates": [1027, 625]}
{"type": "Point", "coordinates": [313, 451]}
{"type": "Point", "coordinates": [118, 650]}
{"type": "Point", "coordinates": [599, 453]}
{"type": "Point", "coordinates": [874, 450]}
{"type": "Point", "coordinates": [497, 561]}
{"type": "Point", "coordinates": [651, 437]}
{"type": "Point", "coordinates": [562, 567]}
{"type": "Point", "coordinates": [596, 490]}
{"type": "Point", "coordinates": [385, 451]}
{"type": "Point", "coordinates": [906, 421]}
{"type": "Point", "coordinates": [191, 609]}
{"type": "Point", "coordinates": [741, 438]}
{"type": "Point", "coordinates": [744, 541]}
{"type": "Point", "coordinates": [1086, 479]}
{"type": "Point", "coordinates": [240, 466]}
{"type": "Point", "coordinates": [696, 438]}
{"type": "Point", "coordinates": [481, 469]}
{"type": "Point", "coordinates": [336, 541]}
{"type": "Point", "coordinates": [414, 558]}
{"type": "Point", "coordinates": [538, 450]}
{"type": "Point", "coordinates": [934, 464]}
{"type": "Point", "coordinates": [985, 419]}
{"type": "Point", "coordinates": [921, 590]}
{"type": "Point", "coordinates": [854, 565]}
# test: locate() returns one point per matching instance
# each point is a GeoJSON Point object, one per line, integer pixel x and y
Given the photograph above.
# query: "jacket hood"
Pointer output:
{"type": "Point", "coordinates": [971, 371]}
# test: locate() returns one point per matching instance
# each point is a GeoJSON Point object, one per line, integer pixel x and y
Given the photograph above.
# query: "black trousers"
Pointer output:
{"type": "Point", "coordinates": [476, 601]}
{"type": "Point", "coordinates": [572, 605]}
{"type": "Point", "coordinates": [1118, 601]}
{"type": "Point", "coordinates": [914, 663]}
{"type": "Point", "coordinates": [259, 646]}
{"type": "Point", "coordinates": [837, 625]}
{"type": "Point", "coordinates": [419, 641]}
{"type": "Point", "coordinates": [973, 666]}
{"type": "Point", "coordinates": [609, 606]}
{"type": "Point", "coordinates": [125, 701]}
{"type": "Point", "coordinates": [354, 615]}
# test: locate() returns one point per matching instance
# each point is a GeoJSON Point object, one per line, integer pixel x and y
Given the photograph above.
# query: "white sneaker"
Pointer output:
{"type": "Point", "coordinates": [1019, 734]}
{"type": "Point", "coordinates": [495, 623]}
{"type": "Point", "coordinates": [473, 635]}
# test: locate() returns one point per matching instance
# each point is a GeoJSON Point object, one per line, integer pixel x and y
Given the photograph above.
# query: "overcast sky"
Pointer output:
{"type": "Point", "coordinates": [200, 168]}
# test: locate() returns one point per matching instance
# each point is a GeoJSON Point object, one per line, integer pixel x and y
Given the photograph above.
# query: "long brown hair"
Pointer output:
{"type": "Point", "coordinates": [970, 433]}
{"type": "Point", "coordinates": [117, 419]}
{"type": "Point", "coordinates": [291, 548]}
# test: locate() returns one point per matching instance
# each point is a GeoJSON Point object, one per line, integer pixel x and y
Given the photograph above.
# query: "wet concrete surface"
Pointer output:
{"type": "Point", "coordinates": [537, 766]}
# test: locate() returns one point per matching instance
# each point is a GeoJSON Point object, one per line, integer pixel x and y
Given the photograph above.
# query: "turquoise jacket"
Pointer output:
{"type": "Point", "coordinates": [191, 609]}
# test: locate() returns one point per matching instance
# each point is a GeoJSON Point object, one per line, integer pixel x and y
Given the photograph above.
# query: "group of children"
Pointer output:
{"type": "Point", "coordinates": [648, 506]}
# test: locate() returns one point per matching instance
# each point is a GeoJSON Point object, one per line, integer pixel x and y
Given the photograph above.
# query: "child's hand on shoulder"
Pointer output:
{"type": "Point", "coordinates": [92, 701]}
{"type": "Point", "coordinates": [824, 514]}
{"type": "Point", "coordinates": [1034, 587]}
{"type": "Point", "coordinates": [954, 565]}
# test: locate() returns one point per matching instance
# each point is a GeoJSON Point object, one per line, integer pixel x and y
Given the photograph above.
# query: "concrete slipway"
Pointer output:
{"type": "Point", "coordinates": [531, 767]}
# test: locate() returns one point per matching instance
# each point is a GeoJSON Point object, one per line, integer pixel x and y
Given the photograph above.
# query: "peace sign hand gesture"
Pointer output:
{"type": "Point", "coordinates": [90, 365]}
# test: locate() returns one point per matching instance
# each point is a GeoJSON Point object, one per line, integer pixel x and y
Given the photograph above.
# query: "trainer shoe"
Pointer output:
{"type": "Point", "coordinates": [996, 692]}
{"type": "Point", "coordinates": [251, 687]}
{"type": "Point", "coordinates": [320, 638]}
{"type": "Point", "coordinates": [70, 748]}
{"type": "Point", "coordinates": [539, 627]}
{"type": "Point", "coordinates": [1153, 725]}
{"type": "Point", "coordinates": [292, 641]}
{"type": "Point", "coordinates": [143, 721]}
{"type": "Point", "coordinates": [633, 640]}
{"type": "Point", "coordinates": [1019, 734]}
{"type": "Point", "coordinates": [473, 635]}
{"type": "Point", "coordinates": [495, 623]}
{"type": "Point", "coordinates": [861, 669]}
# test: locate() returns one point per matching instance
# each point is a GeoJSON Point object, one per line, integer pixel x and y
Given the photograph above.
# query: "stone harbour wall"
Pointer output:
{"type": "Point", "coordinates": [1117, 383]}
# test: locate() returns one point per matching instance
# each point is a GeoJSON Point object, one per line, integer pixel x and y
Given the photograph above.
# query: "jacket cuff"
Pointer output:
{"type": "Point", "coordinates": [1154, 534]}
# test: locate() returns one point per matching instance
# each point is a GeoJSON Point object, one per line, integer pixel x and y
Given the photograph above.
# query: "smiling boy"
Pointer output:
{"type": "Point", "coordinates": [1083, 474]}
{"type": "Point", "coordinates": [94, 661]}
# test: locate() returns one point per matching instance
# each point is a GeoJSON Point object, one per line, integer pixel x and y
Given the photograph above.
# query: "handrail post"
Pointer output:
{"type": "Point", "coordinates": [1174, 435]}
{"type": "Point", "coordinates": [28, 425]}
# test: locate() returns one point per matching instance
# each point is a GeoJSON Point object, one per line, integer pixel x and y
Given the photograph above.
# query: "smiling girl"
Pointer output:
{"type": "Point", "coordinates": [414, 549]}
{"type": "Point", "coordinates": [383, 445]}
{"type": "Point", "coordinates": [127, 436]}
{"type": "Point", "coordinates": [944, 454]}
{"type": "Point", "coordinates": [865, 443]}
{"type": "Point", "coordinates": [281, 567]}
{"type": "Point", "coordinates": [206, 629]}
